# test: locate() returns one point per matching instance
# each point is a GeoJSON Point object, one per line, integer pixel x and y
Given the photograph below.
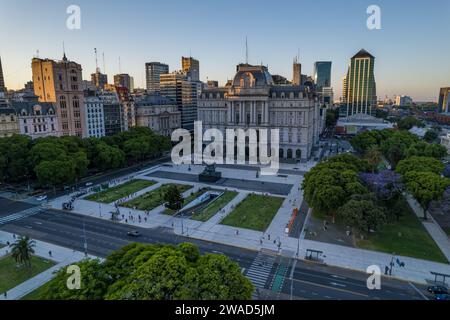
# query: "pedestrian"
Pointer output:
{"type": "Point", "coordinates": [50, 253]}
{"type": "Point", "coordinates": [6, 294]}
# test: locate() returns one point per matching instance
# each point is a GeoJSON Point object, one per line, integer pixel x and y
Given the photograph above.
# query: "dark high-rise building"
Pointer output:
{"type": "Point", "coordinates": [2, 80]}
{"type": "Point", "coordinates": [297, 73]}
{"type": "Point", "coordinates": [322, 74]}
{"type": "Point", "coordinates": [153, 71]}
{"type": "Point", "coordinates": [444, 101]}
{"type": "Point", "coordinates": [191, 67]}
{"type": "Point", "coordinates": [177, 87]}
{"type": "Point", "coordinates": [360, 96]}
{"type": "Point", "coordinates": [123, 80]}
{"type": "Point", "coordinates": [99, 80]}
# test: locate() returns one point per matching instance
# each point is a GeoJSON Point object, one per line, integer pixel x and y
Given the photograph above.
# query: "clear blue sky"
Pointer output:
{"type": "Point", "coordinates": [411, 50]}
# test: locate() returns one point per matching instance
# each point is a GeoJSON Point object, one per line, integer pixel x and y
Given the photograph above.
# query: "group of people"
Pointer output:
{"type": "Point", "coordinates": [139, 219]}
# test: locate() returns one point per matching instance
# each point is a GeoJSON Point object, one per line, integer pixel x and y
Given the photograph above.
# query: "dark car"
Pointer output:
{"type": "Point", "coordinates": [442, 297]}
{"type": "Point", "coordinates": [134, 234]}
{"type": "Point", "coordinates": [437, 290]}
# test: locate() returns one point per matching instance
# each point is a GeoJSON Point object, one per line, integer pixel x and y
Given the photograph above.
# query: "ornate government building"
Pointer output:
{"type": "Point", "coordinates": [252, 100]}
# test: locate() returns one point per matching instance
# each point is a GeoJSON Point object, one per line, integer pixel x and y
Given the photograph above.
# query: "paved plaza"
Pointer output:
{"type": "Point", "coordinates": [274, 239]}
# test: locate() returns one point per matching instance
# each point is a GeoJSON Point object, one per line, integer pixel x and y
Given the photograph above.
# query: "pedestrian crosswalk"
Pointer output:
{"type": "Point", "coordinates": [260, 270]}
{"type": "Point", "coordinates": [20, 215]}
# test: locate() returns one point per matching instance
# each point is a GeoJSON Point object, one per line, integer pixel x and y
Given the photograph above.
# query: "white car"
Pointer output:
{"type": "Point", "coordinates": [89, 184]}
{"type": "Point", "coordinates": [41, 198]}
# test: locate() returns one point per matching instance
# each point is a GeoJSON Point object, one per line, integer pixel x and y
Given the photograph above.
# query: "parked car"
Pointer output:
{"type": "Point", "coordinates": [437, 290]}
{"type": "Point", "coordinates": [442, 296]}
{"type": "Point", "coordinates": [41, 198]}
{"type": "Point", "coordinates": [89, 184]}
{"type": "Point", "coordinates": [134, 233]}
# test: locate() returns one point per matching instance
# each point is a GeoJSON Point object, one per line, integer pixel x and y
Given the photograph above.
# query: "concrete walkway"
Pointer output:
{"type": "Point", "coordinates": [433, 228]}
{"type": "Point", "coordinates": [60, 255]}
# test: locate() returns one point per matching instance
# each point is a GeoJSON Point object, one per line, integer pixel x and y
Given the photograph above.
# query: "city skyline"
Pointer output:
{"type": "Point", "coordinates": [411, 56]}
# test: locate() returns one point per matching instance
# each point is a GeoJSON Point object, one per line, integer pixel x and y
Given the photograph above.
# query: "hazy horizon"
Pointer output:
{"type": "Point", "coordinates": [411, 49]}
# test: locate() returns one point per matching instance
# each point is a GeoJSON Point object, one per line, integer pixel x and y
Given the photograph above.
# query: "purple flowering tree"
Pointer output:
{"type": "Point", "coordinates": [446, 171]}
{"type": "Point", "coordinates": [385, 184]}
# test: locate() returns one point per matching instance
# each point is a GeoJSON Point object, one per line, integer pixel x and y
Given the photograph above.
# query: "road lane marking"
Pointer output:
{"type": "Point", "coordinates": [418, 291]}
{"type": "Point", "coordinates": [334, 288]}
{"type": "Point", "coordinates": [338, 284]}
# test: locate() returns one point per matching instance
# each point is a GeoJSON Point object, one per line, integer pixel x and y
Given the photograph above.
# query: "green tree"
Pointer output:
{"type": "Point", "coordinates": [109, 157]}
{"type": "Point", "coordinates": [408, 122]}
{"type": "Point", "coordinates": [431, 136]}
{"type": "Point", "coordinates": [55, 173]}
{"type": "Point", "coordinates": [425, 187]}
{"type": "Point", "coordinates": [22, 249]}
{"type": "Point", "coordinates": [424, 149]}
{"type": "Point", "coordinates": [330, 184]}
{"type": "Point", "coordinates": [362, 214]}
{"type": "Point", "coordinates": [419, 164]}
{"type": "Point", "coordinates": [94, 283]}
{"type": "Point", "coordinates": [394, 148]}
{"type": "Point", "coordinates": [374, 157]}
{"type": "Point", "coordinates": [155, 272]}
{"type": "Point", "coordinates": [173, 198]}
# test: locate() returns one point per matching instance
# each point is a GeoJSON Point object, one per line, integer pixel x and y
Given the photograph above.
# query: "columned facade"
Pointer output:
{"type": "Point", "coordinates": [253, 101]}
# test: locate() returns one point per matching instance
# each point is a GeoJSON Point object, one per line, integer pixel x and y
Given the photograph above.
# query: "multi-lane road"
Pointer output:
{"type": "Point", "coordinates": [275, 277]}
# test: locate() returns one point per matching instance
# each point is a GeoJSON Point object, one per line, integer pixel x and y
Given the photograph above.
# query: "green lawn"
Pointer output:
{"type": "Point", "coordinates": [154, 198]}
{"type": "Point", "coordinates": [188, 199]}
{"type": "Point", "coordinates": [36, 294]}
{"type": "Point", "coordinates": [120, 191]}
{"type": "Point", "coordinates": [254, 212]}
{"type": "Point", "coordinates": [406, 237]}
{"type": "Point", "coordinates": [208, 212]}
{"type": "Point", "coordinates": [447, 231]}
{"type": "Point", "coordinates": [11, 275]}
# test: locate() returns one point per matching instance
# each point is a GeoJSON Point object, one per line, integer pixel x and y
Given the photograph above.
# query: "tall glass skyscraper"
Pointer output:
{"type": "Point", "coordinates": [360, 96]}
{"type": "Point", "coordinates": [322, 74]}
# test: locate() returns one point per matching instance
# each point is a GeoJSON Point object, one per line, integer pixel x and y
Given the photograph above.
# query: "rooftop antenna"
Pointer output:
{"type": "Point", "coordinates": [246, 50]}
{"type": "Point", "coordinates": [64, 52]}
{"type": "Point", "coordinates": [104, 66]}
{"type": "Point", "coordinates": [96, 60]}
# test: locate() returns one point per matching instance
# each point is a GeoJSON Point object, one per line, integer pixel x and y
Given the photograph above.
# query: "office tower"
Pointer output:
{"type": "Point", "coordinates": [112, 112]}
{"type": "Point", "coordinates": [2, 79]}
{"type": "Point", "coordinates": [444, 101]}
{"type": "Point", "coordinates": [191, 67]}
{"type": "Point", "coordinates": [153, 71]}
{"type": "Point", "coordinates": [360, 96]}
{"type": "Point", "coordinates": [297, 73]}
{"type": "Point", "coordinates": [60, 82]}
{"type": "Point", "coordinates": [177, 87]}
{"type": "Point", "coordinates": [403, 100]}
{"type": "Point", "coordinates": [322, 74]}
{"type": "Point", "coordinates": [95, 118]}
{"type": "Point", "coordinates": [123, 80]}
{"type": "Point", "coordinates": [99, 80]}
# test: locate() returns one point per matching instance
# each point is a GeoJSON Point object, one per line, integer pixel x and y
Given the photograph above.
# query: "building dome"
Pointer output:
{"type": "Point", "coordinates": [252, 76]}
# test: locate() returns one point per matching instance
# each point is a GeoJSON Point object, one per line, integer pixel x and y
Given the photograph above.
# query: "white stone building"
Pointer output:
{"type": "Point", "coordinates": [95, 118]}
{"type": "Point", "coordinates": [254, 101]}
{"type": "Point", "coordinates": [37, 119]}
{"type": "Point", "coordinates": [157, 113]}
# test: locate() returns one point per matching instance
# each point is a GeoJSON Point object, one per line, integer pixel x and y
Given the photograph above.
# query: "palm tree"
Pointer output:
{"type": "Point", "coordinates": [22, 249]}
{"type": "Point", "coordinates": [373, 156]}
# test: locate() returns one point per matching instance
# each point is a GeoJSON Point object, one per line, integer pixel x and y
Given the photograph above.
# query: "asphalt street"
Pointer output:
{"type": "Point", "coordinates": [284, 279]}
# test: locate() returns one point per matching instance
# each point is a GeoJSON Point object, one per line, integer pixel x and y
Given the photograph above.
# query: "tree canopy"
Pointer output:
{"type": "Point", "coordinates": [155, 272]}
{"type": "Point", "coordinates": [419, 164]}
{"type": "Point", "coordinates": [57, 160]}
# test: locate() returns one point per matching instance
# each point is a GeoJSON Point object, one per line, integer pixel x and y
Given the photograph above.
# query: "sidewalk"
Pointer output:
{"type": "Point", "coordinates": [434, 230]}
{"type": "Point", "coordinates": [62, 256]}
